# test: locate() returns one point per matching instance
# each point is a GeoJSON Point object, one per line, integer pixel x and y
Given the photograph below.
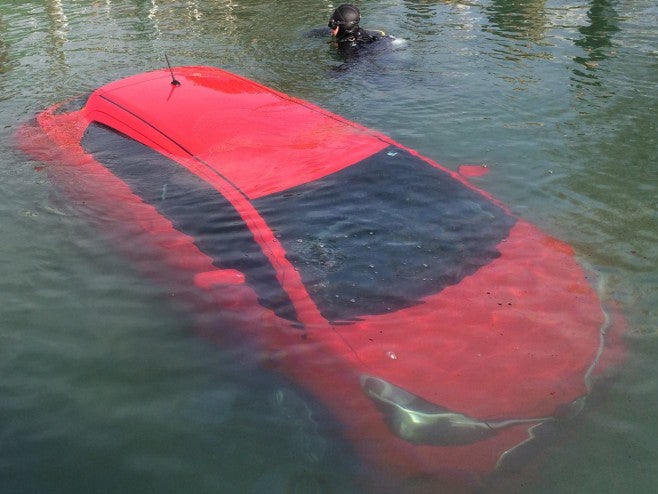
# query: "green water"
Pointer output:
{"type": "Point", "coordinates": [104, 387]}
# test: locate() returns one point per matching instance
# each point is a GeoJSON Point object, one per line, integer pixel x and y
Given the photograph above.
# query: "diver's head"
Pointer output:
{"type": "Point", "coordinates": [344, 20]}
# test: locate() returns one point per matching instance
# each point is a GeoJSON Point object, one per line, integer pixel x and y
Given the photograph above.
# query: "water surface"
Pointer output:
{"type": "Point", "coordinates": [103, 385]}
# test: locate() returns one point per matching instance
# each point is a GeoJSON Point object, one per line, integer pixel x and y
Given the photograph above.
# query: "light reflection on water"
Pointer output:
{"type": "Point", "coordinates": [102, 387]}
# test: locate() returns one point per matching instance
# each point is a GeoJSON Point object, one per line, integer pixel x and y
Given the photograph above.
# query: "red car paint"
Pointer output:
{"type": "Point", "coordinates": [516, 340]}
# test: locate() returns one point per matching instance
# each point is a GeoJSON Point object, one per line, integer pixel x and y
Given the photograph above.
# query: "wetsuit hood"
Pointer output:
{"type": "Point", "coordinates": [346, 17]}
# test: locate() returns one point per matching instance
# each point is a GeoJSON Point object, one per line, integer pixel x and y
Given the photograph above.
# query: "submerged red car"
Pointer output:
{"type": "Point", "coordinates": [440, 330]}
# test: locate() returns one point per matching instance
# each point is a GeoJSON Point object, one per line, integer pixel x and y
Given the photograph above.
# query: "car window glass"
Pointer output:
{"type": "Point", "coordinates": [380, 235]}
{"type": "Point", "coordinates": [193, 206]}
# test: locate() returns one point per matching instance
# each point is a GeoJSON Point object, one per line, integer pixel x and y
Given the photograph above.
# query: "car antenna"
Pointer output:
{"type": "Point", "coordinates": [174, 82]}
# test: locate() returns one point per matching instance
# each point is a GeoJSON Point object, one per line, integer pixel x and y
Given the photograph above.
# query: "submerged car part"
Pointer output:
{"type": "Point", "coordinates": [337, 253]}
{"type": "Point", "coordinates": [420, 422]}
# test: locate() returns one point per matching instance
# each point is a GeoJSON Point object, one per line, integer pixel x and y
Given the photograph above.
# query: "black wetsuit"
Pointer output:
{"type": "Point", "coordinates": [350, 43]}
{"type": "Point", "coordinates": [360, 36]}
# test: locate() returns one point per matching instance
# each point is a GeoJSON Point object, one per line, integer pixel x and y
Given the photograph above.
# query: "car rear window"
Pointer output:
{"type": "Point", "coordinates": [382, 234]}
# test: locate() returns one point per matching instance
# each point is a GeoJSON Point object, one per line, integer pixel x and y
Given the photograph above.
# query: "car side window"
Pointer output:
{"type": "Point", "coordinates": [193, 206]}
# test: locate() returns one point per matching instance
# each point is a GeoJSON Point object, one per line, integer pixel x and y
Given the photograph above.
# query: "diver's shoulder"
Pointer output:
{"type": "Point", "coordinates": [378, 34]}
{"type": "Point", "coordinates": [375, 32]}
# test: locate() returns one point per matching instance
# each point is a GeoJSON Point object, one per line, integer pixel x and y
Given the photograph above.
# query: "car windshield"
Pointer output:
{"type": "Point", "coordinates": [382, 234]}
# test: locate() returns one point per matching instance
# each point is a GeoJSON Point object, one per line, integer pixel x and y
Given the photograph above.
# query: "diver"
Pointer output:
{"type": "Point", "coordinates": [349, 36]}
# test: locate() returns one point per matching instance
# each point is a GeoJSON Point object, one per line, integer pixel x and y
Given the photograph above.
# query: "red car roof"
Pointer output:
{"type": "Point", "coordinates": [260, 140]}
